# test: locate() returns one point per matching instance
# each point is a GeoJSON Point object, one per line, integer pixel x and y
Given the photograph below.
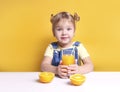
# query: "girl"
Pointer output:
{"type": "Point", "coordinates": [63, 28]}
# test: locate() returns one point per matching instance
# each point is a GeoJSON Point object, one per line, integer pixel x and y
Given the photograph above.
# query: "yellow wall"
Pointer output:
{"type": "Point", "coordinates": [25, 31]}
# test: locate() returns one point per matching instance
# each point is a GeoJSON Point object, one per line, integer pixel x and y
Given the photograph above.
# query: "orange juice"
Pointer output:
{"type": "Point", "coordinates": [68, 59]}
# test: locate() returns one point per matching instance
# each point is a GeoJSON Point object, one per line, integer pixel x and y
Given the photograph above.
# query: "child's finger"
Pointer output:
{"type": "Point", "coordinates": [61, 62]}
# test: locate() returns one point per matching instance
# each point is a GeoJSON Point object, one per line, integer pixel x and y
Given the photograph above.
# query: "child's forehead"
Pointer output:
{"type": "Point", "coordinates": [64, 21]}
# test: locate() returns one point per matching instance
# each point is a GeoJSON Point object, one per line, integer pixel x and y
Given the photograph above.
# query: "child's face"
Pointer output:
{"type": "Point", "coordinates": [64, 31]}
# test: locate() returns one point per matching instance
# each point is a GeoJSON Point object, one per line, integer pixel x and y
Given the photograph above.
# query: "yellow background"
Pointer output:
{"type": "Point", "coordinates": [25, 31]}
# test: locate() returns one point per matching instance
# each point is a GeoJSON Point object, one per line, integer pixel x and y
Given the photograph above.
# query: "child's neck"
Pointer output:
{"type": "Point", "coordinates": [65, 45]}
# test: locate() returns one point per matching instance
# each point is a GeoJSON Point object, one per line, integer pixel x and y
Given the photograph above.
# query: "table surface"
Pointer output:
{"type": "Point", "coordinates": [29, 82]}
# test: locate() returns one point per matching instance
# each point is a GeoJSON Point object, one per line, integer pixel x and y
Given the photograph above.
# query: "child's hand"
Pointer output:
{"type": "Point", "coordinates": [62, 71]}
{"type": "Point", "coordinates": [72, 69]}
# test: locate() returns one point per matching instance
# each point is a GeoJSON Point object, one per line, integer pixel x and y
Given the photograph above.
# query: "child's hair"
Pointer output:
{"type": "Point", "coordinates": [63, 15]}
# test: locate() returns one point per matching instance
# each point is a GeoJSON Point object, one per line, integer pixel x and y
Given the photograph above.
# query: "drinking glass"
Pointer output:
{"type": "Point", "coordinates": [68, 57]}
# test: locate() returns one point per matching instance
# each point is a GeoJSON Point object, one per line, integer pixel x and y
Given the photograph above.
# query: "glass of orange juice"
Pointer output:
{"type": "Point", "coordinates": [68, 57]}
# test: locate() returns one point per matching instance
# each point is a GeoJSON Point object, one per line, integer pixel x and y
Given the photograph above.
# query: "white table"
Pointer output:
{"type": "Point", "coordinates": [29, 82]}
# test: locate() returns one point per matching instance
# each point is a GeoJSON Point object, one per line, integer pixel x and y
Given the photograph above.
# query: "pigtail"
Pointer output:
{"type": "Point", "coordinates": [76, 17]}
{"type": "Point", "coordinates": [51, 19]}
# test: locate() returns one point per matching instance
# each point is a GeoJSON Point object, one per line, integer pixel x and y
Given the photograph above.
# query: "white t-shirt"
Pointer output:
{"type": "Point", "coordinates": [82, 52]}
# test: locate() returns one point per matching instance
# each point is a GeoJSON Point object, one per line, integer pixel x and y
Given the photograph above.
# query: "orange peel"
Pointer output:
{"type": "Point", "coordinates": [77, 79]}
{"type": "Point", "coordinates": [46, 77]}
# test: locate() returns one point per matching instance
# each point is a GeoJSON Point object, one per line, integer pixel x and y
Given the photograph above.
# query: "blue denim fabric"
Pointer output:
{"type": "Point", "coordinates": [57, 55]}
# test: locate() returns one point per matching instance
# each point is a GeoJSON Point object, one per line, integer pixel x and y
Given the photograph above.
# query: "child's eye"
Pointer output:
{"type": "Point", "coordinates": [69, 29]}
{"type": "Point", "coordinates": [59, 29]}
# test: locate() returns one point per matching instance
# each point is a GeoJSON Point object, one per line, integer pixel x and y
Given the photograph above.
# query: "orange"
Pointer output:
{"type": "Point", "coordinates": [68, 59]}
{"type": "Point", "coordinates": [46, 77]}
{"type": "Point", "coordinates": [77, 79]}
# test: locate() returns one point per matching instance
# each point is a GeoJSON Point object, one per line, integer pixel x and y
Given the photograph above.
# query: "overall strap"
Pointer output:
{"type": "Point", "coordinates": [54, 45]}
{"type": "Point", "coordinates": [76, 44]}
{"type": "Point", "coordinates": [57, 55]}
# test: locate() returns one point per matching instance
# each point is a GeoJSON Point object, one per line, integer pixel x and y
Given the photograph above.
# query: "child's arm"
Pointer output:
{"type": "Point", "coordinates": [46, 65]}
{"type": "Point", "coordinates": [85, 68]}
{"type": "Point", "coordinates": [60, 70]}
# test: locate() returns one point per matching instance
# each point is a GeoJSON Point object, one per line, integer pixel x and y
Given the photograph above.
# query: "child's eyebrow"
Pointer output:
{"type": "Point", "coordinates": [57, 26]}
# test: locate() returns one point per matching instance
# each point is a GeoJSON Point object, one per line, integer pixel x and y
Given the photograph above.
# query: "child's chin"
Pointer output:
{"type": "Point", "coordinates": [65, 41]}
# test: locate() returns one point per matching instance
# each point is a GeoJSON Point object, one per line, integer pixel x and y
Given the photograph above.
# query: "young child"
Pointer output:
{"type": "Point", "coordinates": [63, 28]}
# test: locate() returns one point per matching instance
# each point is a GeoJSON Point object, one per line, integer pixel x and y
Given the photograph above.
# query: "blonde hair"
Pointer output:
{"type": "Point", "coordinates": [63, 15]}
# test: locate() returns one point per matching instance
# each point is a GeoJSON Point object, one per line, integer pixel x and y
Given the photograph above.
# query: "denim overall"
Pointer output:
{"type": "Point", "coordinates": [57, 55]}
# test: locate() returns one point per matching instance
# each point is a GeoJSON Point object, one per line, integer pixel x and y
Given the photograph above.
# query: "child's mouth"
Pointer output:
{"type": "Point", "coordinates": [64, 38]}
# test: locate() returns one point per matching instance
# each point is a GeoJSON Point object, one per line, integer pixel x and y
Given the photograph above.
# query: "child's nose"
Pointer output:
{"type": "Point", "coordinates": [64, 32]}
